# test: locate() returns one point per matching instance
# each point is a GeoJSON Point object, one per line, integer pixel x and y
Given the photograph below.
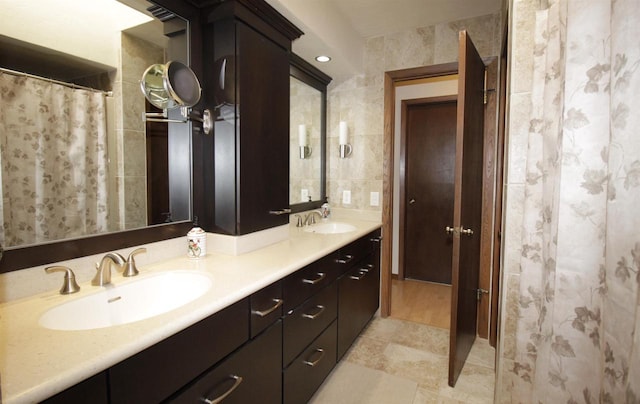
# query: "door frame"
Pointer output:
{"type": "Point", "coordinates": [393, 79]}
{"type": "Point", "coordinates": [402, 207]}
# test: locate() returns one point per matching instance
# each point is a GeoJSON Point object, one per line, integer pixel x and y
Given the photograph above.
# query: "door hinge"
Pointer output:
{"type": "Point", "coordinates": [485, 90]}
{"type": "Point", "coordinates": [480, 292]}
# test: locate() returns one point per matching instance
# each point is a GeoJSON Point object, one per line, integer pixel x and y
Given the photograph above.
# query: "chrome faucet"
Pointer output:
{"type": "Point", "coordinates": [310, 219]}
{"type": "Point", "coordinates": [103, 276]}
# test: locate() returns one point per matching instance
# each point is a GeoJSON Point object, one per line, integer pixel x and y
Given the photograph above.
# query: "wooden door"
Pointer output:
{"type": "Point", "coordinates": [429, 174]}
{"type": "Point", "coordinates": [467, 205]}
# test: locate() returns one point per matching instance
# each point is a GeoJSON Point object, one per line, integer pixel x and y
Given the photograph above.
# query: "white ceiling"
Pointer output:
{"type": "Point", "coordinates": [339, 28]}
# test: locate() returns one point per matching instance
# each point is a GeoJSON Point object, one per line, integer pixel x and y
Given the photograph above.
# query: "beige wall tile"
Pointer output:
{"type": "Point", "coordinates": [412, 48]}
{"type": "Point", "coordinates": [135, 201]}
{"type": "Point", "coordinates": [134, 153]}
{"type": "Point", "coordinates": [522, 48]}
{"type": "Point", "coordinates": [358, 100]}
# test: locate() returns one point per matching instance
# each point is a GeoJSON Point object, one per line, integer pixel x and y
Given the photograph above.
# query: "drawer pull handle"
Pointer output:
{"type": "Point", "coordinates": [264, 313]}
{"type": "Point", "coordinates": [314, 316]}
{"type": "Point", "coordinates": [347, 258]}
{"type": "Point", "coordinates": [238, 380]}
{"type": "Point", "coordinates": [280, 212]}
{"type": "Point", "coordinates": [358, 277]}
{"type": "Point", "coordinates": [321, 276]}
{"type": "Point", "coordinates": [315, 362]}
{"type": "Point", "coordinates": [376, 239]}
{"type": "Point", "coordinates": [367, 268]}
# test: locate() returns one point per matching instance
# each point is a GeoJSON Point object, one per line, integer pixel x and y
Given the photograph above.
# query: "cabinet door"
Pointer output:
{"type": "Point", "coordinates": [263, 87]}
{"type": "Point", "coordinates": [252, 374]}
{"type": "Point", "coordinates": [248, 75]}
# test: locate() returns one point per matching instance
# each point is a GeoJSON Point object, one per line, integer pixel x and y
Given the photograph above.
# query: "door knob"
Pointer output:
{"type": "Point", "coordinates": [412, 201]}
{"type": "Point", "coordinates": [450, 230]}
{"type": "Point", "coordinates": [467, 232]}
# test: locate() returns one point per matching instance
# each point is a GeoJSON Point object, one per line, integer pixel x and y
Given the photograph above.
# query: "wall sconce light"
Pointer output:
{"type": "Point", "coordinates": [305, 149]}
{"type": "Point", "coordinates": [345, 146]}
{"type": "Point", "coordinates": [173, 85]}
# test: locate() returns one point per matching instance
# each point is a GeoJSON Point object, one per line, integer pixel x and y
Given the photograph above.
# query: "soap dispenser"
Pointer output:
{"type": "Point", "coordinates": [325, 209]}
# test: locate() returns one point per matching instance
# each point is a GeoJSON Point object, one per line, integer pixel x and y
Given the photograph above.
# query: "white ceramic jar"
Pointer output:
{"type": "Point", "coordinates": [197, 243]}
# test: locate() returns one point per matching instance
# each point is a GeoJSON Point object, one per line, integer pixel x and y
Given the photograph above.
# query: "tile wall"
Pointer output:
{"type": "Point", "coordinates": [130, 176]}
{"type": "Point", "coordinates": [358, 100]}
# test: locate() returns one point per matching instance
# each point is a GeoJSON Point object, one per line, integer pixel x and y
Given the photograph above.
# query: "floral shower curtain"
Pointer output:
{"type": "Point", "coordinates": [53, 160]}
{"type": "Point", "coordinates": [578, 333]}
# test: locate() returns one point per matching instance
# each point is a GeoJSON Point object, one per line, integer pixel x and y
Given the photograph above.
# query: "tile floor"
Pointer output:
{"type": "Point", "coordinates": [401, 362]}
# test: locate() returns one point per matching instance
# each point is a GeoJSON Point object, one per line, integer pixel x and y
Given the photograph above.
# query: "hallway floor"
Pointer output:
{"type": "Point", "coordinates": [395, 361]}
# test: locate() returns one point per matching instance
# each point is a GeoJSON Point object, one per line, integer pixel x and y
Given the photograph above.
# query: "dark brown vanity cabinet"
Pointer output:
{"type": "Point", "coordinates": [246, 62]}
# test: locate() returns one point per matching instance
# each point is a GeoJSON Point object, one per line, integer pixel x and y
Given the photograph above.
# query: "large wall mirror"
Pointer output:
{"type": "Point", "coordinates": [81, 171]}
{"type": "Point", "coordinates": [307, 135]}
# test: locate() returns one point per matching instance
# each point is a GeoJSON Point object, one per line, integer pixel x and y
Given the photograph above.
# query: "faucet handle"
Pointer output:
{"type": "Point", "coordinates": [69, 286]}
{"type": "Point", "coordinates": [299, 223]}
{"type": "Point", "coordinates": [130, 267]}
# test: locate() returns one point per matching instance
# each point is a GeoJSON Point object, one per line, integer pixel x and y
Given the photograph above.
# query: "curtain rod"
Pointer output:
{"type": "Point", "coordinates": [63, 83]}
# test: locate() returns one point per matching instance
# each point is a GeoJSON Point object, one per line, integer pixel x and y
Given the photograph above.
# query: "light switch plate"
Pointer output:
{"type": "Point", "coordinates": [304, 195]}
{"type": "Point", "coordinates": [346, 197]}
{"type": "Point", "coordinates": [374, 199]}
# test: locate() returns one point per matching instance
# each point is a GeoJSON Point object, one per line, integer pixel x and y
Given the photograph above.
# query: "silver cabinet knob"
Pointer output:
{"type": "Point", "coordinates": [466, 232]}
{"type": "Point", "coordinates": [412, 201]}
{"type": "Point", "coordinates": [450, 230]}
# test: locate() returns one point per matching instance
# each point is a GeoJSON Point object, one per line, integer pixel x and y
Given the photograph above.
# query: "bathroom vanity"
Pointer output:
{"type": "Point", "coordinates": [270, 329]}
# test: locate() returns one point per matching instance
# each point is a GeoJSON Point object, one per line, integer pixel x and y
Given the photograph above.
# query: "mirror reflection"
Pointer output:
{"type": "Point", "coordinates": [305, 130]}
{"type": "Point", "coordinates": [76, 157]}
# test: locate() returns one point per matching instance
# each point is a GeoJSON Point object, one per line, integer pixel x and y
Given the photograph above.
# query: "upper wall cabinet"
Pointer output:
{"type": "Point", "coordinates": [246, 165]}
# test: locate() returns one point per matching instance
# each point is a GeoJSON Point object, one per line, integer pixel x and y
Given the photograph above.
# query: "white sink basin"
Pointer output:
{"type": "Point", "coordinates": [137, 300]}
{"type": "Point", "coordinates": [330, 228]}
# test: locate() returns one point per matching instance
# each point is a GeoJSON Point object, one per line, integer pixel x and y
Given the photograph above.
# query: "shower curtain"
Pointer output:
{"type": "Point", "coordinates": [53, 161]}
{"type": "Point", "coordinates": [578, 330]}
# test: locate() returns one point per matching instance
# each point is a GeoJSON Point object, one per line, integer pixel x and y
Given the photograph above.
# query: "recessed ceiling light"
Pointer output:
{"type": "Point", "coordinates": [323, 58]}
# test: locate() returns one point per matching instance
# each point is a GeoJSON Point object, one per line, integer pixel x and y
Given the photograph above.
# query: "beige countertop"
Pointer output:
{"type": "Point", "coordinates": [36, 363]}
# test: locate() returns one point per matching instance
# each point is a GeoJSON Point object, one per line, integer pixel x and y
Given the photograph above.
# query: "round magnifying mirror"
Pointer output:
{"type": "Point", "coordinates": [152, 86]}
{"type": "Point", "coordinates": [170, 85]}
{"type": "Point", "coordinates": [182, 84]}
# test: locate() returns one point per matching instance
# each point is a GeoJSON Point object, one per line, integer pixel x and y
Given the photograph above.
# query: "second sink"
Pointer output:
{"type": "Point", "coordinates": [330, 228]}
{"type": "Point", "coordinates": [133, 301]}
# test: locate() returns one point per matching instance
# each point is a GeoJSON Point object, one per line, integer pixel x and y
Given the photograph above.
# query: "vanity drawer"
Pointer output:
{"type": "Point", "coordinates": [159, 371]}
{"type": "Point", "coordinates": [355, 252]}
{"type": "Point", "coordinates": [303, 283]}
{"type": "Point", "coordinates": [307, 372]}
{"type": "Point", "coordinates": [305, 323]}
{"type": "Point", "coordinates": [266, 307]}
{"type": "Point", "coordinates": [252, 374]}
